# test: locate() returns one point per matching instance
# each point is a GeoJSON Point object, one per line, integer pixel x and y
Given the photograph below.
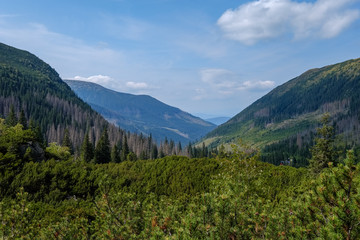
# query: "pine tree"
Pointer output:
{"type": "Point", "coordinates": [22, 119]}
{"type": "Point", "coordinates": [35, 127]}
{"type": "Point", "coordinates": [179, 148]}
{"type": "Point", "coordinates": [149, 144]}
{"type": "Point", "coordinates": [154, 152]}
{"type": "Point", "coordinates": [125, 149]}
{"type": "Point", "coordinates": [102, 149]}
{"type": "Point", "coordinates": [115, 154]}
{"type": "Point", "coordinates": [204, 151]}
{"type": "Point", "coordinates": [11, 119]}
{"type": "Point", "coordinates": [67, 141]}
{"type": "Point", "coordinates": [87, 149]}
{"type": "Point", "coordinates": [335, 201]}
{"type": "Point", "coordinates": [189, 149]}
{"type": "Point", "coordinates": [323, 151]}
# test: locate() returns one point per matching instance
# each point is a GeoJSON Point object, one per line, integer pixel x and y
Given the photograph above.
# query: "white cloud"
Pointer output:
{"type": "Point", "coordinates": [136, 85]}
{"type": "Point", "coordinates": [217, 77]}
{"type": "Point", "coordinates": [223, 83]}
{"type": "Point", "coordinates": [266, 19]}
{"type": "Point", "coordinates": [219, 82]}
{"type": "Point", "coordinates": [105, 81]}
{"type": "Point", "coordinates": [99, 79]}
{"type": "Point", "coordinates": [257, 85]}
{"type": "Point", "coordinates": [69, 56]}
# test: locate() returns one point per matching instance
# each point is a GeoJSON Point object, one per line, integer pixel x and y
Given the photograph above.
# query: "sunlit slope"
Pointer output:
{"type": "Point", "coordinates": [294, 108]}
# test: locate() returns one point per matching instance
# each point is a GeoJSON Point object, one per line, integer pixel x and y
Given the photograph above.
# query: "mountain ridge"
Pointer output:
{"type": "Point", "coordinates": [28, 83]}
{"type": "Point", "coordinates": [294, 108]}
{"type": "Point", "coordinates": [142, 113]}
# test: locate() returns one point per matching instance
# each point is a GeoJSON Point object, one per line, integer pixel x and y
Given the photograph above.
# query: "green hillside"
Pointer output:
{"type": "Point", "coordinates": [48, 192]}
{"type": "Point", "coordinates": [29, 84]}
{"type": "Point", "coordinates": [142, 113]}
{"type": "Point", "coordinates": [293, 110]}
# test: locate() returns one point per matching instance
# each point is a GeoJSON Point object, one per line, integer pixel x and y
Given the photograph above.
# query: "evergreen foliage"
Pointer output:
{"type": "Point", "coordinates": [87, 149]}
{"type": "Point", "coordinates": [323, 152]}
{"type": "Point", "coordinates": [102, 150]}
{"type": "Point", "coordinates": [11, 119]}
{"type": "Point", "coordinates": [67, 141]}
{"type": "Point", "coordinates": [334, 201]}
{"type": "Point", "coordinates": [124, 149]}
{"type": "Point", "coordinates": [292, 110]}
{"type": "Point", "coordinates": [48, 193]}
{"type": "Point", "coordinates": [22, 119]}
{"type": "Point", "coordinates": [234, 196]}
{"type": "Point", "coordinates": [115, 154]}
{"type": "Point", "coordinates": [30, 86]}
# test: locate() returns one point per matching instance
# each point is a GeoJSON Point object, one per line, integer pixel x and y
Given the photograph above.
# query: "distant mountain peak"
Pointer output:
{"type": "Point", "coordinates": [142, 113]}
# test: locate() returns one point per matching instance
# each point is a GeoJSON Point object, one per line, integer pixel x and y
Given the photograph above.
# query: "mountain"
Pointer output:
{"type": "Point", "coordinates": [30, 84]}
{"type": "Point", "coordinates": [293, 110]}
{"type": "Point", "coordinates": [217, 120]}
{"type": "Point", "coordinates": [142, 113]}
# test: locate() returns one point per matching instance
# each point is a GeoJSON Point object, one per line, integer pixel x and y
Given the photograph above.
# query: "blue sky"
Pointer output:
{"type": "Point", "coordinates": [210, 58]}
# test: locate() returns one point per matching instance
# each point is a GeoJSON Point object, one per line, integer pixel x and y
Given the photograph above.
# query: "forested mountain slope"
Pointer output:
{"type": "Point", "coordinates": [142, 113]}
{"type": "Point", "coordinates": [28, 83]}
{"type": "Point", "coordinates": [293, 110]}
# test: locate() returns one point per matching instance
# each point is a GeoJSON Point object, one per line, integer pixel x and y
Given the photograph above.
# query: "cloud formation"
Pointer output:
{"type": "Point", "coordinates": [223, 82]}
{"type": "Point", "coordinates": [257, 85]}
{"type": "Point", "coordinates": [105, 81]}
{"type": "Point", "coordinates": [267, 19]}
{"type": "Point", "coordinates": [99, 79]}
{"type": "Point", "coordinates": [68, 55]}
{"type": "Point", "coordinates": [136, 85]}
{"type": "Point", "coordinates": [219, 78]}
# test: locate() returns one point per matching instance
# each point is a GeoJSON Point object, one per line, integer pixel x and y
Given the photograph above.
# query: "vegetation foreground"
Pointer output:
{"type": "Point", "coordinates": [230, 196]}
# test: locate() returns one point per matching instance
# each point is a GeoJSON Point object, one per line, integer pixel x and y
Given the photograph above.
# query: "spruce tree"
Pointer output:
{"type": "Point", "coordinates": [11, 119]}
{"type": "Point", "coordinates": [323, 151]}
{"type": "Point", "coordinates": [67, 141]}
{"type": "Point", "coordinates": [125, 149]}
{"type": "Point", "coordinates": [35, 127]}
{"type": "Point", "coordinates": [154, 152]}
{"type": "Point", "coordinates": [102, 149]}
{"type": "Point", "coordinates": [87, 149]}
{"type": "Point", "coordinates": [115, 154]}
{"type": "Point", "coordinates": [22, 119]}
{"type": "Point", "coordinates": [179, 148]}
{"type": "Point", "coordinates": [190, 151]}
{"type": "Point", "coordinates": [204, 151]}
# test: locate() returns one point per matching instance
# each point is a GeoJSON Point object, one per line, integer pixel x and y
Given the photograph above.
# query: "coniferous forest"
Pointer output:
{"type": "Point", "coordinates": [66, 173]}
{"type": "Point", "coordinates": [48, 193]}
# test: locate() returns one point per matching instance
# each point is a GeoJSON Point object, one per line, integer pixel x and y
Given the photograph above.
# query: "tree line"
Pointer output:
{"type": "Point", "coordinates": [130, 147]}
{"type": "Point", "coordinates": [230, 196]}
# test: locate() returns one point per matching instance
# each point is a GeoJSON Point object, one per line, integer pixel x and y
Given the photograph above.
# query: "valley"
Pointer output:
{"type": "Point", "coordinates": [79, 161]}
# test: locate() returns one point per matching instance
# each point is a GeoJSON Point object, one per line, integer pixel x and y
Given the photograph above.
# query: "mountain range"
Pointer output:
{"type": "Point", "coordinates": [294, 109]}
{"type": "Point", "coordinates": [282, 123]}
{"type": "Point", "coordinates": [29, 84]}
{"type": "Point", "coordinates": [142, 113]}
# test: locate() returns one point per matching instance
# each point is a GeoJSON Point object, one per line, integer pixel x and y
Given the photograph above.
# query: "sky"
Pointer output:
{"type": "Point", "coordinates": [210, 57]}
